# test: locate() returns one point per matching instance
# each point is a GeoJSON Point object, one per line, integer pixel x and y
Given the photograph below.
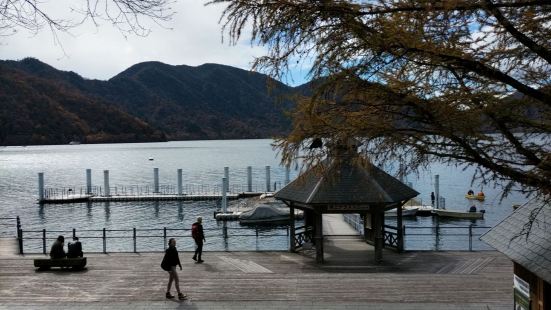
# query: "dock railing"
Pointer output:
{"type": "Point", "coordinates": [131, 237]}
{"type": "Point", "coordinates": [446, 237]}
{"type": "Point", "coordinates": [149, 190]}
{"type": "Point", "coordinates": [458, 238]}
{"type": "Point", "coordinates": [439, 237]}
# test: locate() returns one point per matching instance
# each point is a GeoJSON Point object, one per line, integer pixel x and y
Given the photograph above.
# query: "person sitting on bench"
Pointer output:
{"type": "Point", "coordinates": [472, 209]}
{"type": "Point", "coordinates": [57, 248]}
{"type": "Point", "coordinates": [74, 248]}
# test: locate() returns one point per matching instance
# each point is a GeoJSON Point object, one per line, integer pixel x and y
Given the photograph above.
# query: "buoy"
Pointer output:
{"type": "Point", "coordinates": [150, 158]}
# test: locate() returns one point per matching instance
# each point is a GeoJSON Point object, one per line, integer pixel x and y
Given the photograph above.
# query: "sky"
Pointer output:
{"type": "Point", "coordinates": [193, 37]}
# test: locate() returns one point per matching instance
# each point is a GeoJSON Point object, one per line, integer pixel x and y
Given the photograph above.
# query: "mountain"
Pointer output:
{"type": "Point", "coordinates": [210, 101]}
{"type": "Point", "coordinates": [36, 110]}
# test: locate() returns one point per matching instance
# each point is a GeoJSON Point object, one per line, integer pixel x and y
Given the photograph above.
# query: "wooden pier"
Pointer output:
{"type": "Point", "coordinates": [349, 279]}
{"type": "Point", "coordinates": [417, 280]}
{"type": "Point", "coordinates": [8, 247]}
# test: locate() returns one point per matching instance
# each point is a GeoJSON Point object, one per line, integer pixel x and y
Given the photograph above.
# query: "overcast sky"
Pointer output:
{"type": "Point", "coordinates": [100, 53]}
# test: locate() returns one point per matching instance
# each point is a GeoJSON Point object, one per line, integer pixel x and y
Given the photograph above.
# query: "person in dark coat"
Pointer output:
{"type": "Point", "coordinates": [74, 249]}
{"type": "Point", "coordinates": [169, 263]}
{"type": "Point", "coordinates": [57, 248]}
{"type": "Point", "coordinates": [199, 237]}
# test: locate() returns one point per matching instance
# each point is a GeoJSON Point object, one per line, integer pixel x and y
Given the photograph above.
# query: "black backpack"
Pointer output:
{"type": "Point", "coordinates": [165, 264]}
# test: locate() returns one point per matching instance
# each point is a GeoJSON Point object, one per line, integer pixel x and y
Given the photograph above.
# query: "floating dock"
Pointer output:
{"type": "Point", "coordinates": [150, 197]}
{"type": "Point", "coordinates": [158, 192]}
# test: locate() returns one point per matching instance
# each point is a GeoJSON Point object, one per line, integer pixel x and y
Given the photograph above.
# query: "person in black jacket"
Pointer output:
{"type": "Point", "coordinates": [169, 263]}
{"type": "Point", "coordinates": [199, 237]}
{"type": "Point", "coordinates": [74, 248]}
{"type": "Point", "coordinates": [57, 248]}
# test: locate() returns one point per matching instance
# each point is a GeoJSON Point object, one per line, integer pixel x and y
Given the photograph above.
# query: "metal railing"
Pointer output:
{"type": "Point", "coordinates": [439, 237]}
{"type": "Point", "coordinates": [149, 190]}
{"type": "Point", "coordinates": [130, 237]}
{"type": "Point", "coordinates": [443, 236]}
{"type": "Point", "coordinates": [355, 221]}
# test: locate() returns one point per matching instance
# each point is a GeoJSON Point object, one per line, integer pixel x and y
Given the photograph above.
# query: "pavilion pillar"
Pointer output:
{"type": "Point", "coordinates": [292, 247]}
{"type": "Point", "coordinates": [309, 218]}
{"type": "Point", "coordinates": [319, 237]}
{"type": "Point", "coordinates": [309, 224]}
{"type": "Point", "coordinates": [399, 229]}
{"type": "Point", "coordinates": [378, 226]}
{"type": "Point", "coordinates": [365, 224]}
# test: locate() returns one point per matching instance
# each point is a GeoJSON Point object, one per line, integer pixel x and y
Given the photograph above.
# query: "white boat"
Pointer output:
{"type": "Point", "coordinates": [264, 214]}
{"type": "Point", "coordinates": [459, 214]}
{"type": "Point", "coordinates": [406, 211]}
{"type": "Point", "coordinates": [74, 143]}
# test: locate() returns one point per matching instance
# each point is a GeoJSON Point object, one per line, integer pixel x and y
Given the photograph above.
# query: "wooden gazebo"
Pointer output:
{"type": "Point", "coordinates": [346, 182]}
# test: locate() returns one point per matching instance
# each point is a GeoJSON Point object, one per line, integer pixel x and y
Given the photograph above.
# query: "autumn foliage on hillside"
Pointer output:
{"type": "Point", "coordinates": [185, 103]}
{"type": "Point", "coordinates": [39, 111]}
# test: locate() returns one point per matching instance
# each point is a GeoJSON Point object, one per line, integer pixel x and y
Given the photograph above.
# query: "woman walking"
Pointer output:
{"type": "Point", "coordinates": [169, 263]}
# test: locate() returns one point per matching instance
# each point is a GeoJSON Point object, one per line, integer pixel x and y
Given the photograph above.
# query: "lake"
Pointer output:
{"type": "Point", "coordinates": [202, 163]}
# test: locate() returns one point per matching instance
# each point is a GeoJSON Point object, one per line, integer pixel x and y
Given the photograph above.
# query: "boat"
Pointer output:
{"type": "Point", "coordinates": [74, 143]}
{"type": "Point", "coordinates": [459, 214]}
{"type": "Point", "coordinates": [477, 197]}
{"type": "Point", "coordinates": [406, 211]}
{"type": "Point", "coordinates": [227, 216]}
{"type": "Point", "coordinates": [266, 214]}
{"type": "Point", "coordinates": [423, 210]}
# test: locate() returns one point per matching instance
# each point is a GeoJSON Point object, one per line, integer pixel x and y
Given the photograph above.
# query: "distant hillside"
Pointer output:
{"type": "Point", "coordinates": [34, 110]}
{"type": "Point", "coordinates": [206, 102]}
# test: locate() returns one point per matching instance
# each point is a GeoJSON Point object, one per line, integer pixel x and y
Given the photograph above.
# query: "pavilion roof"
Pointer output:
{"type": "Point", "coordinates": [525, 237]}
{"type": "Point", "coordinates": [346, 180]}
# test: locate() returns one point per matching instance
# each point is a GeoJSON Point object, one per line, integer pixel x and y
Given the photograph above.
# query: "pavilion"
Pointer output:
{"type": "Point", "coordinates": [346, 182]}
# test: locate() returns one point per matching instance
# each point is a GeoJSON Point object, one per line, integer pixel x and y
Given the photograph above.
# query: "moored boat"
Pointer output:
{"type": "Point", "coordinates": [264, 214]}
{"type": "Point", "coordinates": [406, 211]}
{"type": "Point", "coordinates": [425, 210]}
{"type": "Point", "coordinates": [459, 214]}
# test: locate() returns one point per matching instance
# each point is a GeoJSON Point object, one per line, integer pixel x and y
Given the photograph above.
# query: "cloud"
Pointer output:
{"type": "Point", "coordinates": [192, 37]}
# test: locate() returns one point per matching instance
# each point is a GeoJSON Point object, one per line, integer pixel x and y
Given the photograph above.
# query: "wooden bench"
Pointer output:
{"type": "Point", "coordinates": [77, 263]}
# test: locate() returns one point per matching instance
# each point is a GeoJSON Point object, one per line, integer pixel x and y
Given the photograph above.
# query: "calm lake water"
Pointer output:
{"type": "Point", "coordinates": [202, 163]}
